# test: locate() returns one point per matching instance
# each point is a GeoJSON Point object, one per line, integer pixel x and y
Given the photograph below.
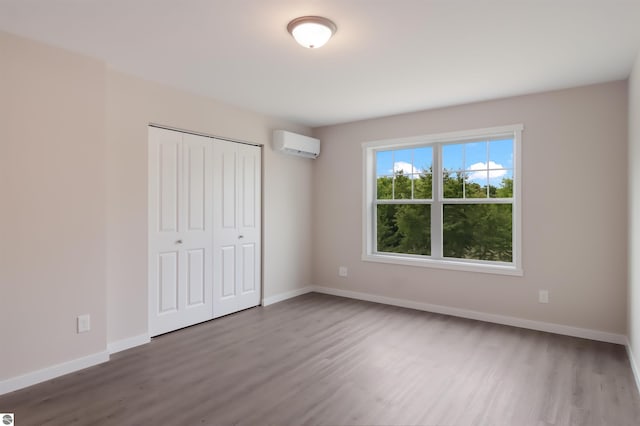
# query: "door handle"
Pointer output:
{"type": "Point", "coordinates": [240, 236]}
{"type": "Point", "coordinates": [179, 242]}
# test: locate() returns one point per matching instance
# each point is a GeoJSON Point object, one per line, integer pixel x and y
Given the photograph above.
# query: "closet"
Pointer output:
{"type": "Point", "coordinates": [204, 228]}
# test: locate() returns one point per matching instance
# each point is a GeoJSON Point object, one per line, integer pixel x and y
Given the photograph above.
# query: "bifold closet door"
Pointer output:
{"type": "Point", "coordinates": [237, 227]}
{"type": "Point", "coordinates": [180, 230]}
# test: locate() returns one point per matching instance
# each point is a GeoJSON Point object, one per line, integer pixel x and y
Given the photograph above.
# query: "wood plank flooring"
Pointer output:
{"type": "Point", "coordinates": [325, 360]}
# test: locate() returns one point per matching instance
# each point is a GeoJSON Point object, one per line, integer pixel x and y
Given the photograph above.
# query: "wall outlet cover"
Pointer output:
{"type": "Point", "coordinates": [543, 296]}
{"type": "Point", "coordinates": [84, 323]}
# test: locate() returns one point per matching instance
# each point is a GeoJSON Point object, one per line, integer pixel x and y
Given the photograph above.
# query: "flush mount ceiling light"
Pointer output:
{"type": "Point", "coordinates": [311, 31]}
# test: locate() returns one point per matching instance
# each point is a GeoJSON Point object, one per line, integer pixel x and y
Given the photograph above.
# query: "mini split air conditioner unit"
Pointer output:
{"type": "Point", "coordinates": [294, 144]}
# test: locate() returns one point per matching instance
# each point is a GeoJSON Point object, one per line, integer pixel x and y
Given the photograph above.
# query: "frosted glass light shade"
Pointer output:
{"type": "Point", "coordinates": [311, 31]}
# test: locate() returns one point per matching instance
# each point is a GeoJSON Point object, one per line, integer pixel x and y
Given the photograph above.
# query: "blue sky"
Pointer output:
{"type": "Point", "coordinates": [474, 157]}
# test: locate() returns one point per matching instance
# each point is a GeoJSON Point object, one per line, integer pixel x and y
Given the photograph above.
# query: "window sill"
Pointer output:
{"type": "Point", "coordinates": [444, 264]}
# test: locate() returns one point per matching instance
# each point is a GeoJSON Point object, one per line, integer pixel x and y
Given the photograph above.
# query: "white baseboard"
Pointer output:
{"type": "Point", "coordinates": [131, 342]}
{"type": "Point", "coordinates": [52, 372]}
{"type": "Point", "coordinates": [634, 365]}
{"type": "Point", "coordinates": [286, 295]}
{"type": "Point", "coordinates": [584, 333]}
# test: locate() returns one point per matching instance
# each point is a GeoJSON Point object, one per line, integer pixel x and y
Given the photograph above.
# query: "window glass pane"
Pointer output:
{"type": "Point", "coordinates": [423, 159]}
{"type": "Point", "coordinates": [384, 163]}
{"type": "Point", "coordinates": [477, 231]}
{"type": "Point", "coordinates": [452, 185]}
{"type": "Point", "coordinates": [452, 157]}
{"type": "Point", "coordinates": [475, 155]}
{"type": "Point", "coordinates": [501, 154]}
{"type": "Point", "coordinates": [404, 174]}
{"type": "Point", "coordinates": [422, 186]}
{"type": "Point", "coordinates": [403, 161]}
{"type": "Point", "coordinates": [475, 185]}
{"type": "Point", "coordinates": [501, 182]}
{"type": "Point", "coordinates": [402, 186]}
{"type": "Point", "coordinates": [404, 228]}
{"type": "Point", "coordinates": [385, 187]}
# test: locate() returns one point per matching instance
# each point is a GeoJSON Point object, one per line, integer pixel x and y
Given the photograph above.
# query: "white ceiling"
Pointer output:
{"type": "Point", "coordinates": [387, 57]}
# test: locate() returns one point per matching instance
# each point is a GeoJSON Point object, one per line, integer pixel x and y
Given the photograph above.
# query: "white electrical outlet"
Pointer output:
{"type": "Point", "coordinates": [343, 271]}
{"type": "Point", "coordinates": [543, 296]}
{"type": "Point", "coordinates": [84, 323]}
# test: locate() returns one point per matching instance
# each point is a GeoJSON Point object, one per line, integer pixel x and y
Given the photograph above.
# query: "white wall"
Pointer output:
{"type": "Point", "coordinates": [574, 202]}
{"type": "Point", "coordinates": [634, 215]}
{"type": "Point", "coordinates": [52, 205]}
{"type": "Point", "coordinates": [132, 104]}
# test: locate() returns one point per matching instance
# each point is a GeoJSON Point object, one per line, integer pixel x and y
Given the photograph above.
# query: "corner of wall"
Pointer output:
{"type": "Point", "coordinates": [633, 307]}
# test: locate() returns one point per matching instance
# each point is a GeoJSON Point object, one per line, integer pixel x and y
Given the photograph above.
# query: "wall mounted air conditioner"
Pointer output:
{"type": "Point", "coordinates": [295, 144]}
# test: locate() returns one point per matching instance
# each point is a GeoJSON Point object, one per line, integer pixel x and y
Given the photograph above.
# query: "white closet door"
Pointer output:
{"type": "Point", "coordinates": [180, 229]}
{"type": "Point", "coordinates": [249, 226]}
{"type": "Point", "coordinates": [237, 227]}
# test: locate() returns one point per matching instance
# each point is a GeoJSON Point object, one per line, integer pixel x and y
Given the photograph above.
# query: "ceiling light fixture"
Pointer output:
{"type": "Point", "coordinates": [311, 31]}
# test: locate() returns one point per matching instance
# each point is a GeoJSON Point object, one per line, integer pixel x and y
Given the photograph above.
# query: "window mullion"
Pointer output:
{"type": "Point", "coordinates": [488, 173]}
{"type": "Point", "coordinates": [436, 207]}
{"type": "Point", "coordinates": [373, 196]}
{"type": "Point", "coordinates": [393, 174]}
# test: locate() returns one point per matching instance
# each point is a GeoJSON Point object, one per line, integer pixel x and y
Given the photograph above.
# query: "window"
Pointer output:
{"type": "Point", "coordinates": [446, 201]}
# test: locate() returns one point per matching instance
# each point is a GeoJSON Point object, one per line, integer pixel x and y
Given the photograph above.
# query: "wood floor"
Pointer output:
{"type": "Point", "coordinates": [324, 360]}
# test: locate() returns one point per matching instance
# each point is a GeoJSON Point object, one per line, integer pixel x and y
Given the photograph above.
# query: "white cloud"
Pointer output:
{"type": "Point", "coordinates": [480, 171]}
{"type": "Point", "coordinates": [405, 167]}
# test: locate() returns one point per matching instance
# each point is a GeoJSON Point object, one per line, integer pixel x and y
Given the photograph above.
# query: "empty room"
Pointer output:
{"type": "Point", "coordinates": [297, 212]}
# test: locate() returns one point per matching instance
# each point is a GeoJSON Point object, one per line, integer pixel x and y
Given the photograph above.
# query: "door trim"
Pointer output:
{"type": "Point", "coordinates": [206, 135]}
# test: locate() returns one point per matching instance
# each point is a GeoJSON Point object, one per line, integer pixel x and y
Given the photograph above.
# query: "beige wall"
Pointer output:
{"type": "Point", "coordinates": [52, 205]}
{"type": "Point", "coordinates": [574, 202]}
{"type": "Point", "coordinates": [634, 213]}
{"type": "Point", "coordinates": [131, 105]}
{"type": "Point", "coordinates": [73, 176]}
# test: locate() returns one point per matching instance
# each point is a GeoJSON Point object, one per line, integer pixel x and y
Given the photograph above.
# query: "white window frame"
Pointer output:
{"type": "Point", "coordinates": [369, 223]}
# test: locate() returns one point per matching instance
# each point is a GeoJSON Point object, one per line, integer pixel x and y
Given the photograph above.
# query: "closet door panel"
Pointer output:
{"type": "Point", "coordinates": [165, 168]}
{"type": "Point", "coordinates": [198, 228]}
{"type": "Point", "coordinates": [168, 282]}
{"type": "Point", "coordinates": [248, 268]}
{"type": "Point", "coordinates": [196, 282]}
{"type": "Point", "coordinates": [228, 272]}
{"type": "Point", "coordinates": [196, 186]}
{"type": "Point", "coordinates": [237, 227]}
{"type": "Point", "coordinates": [180, 227]}
{"type": "Point", "coordinates": [169, 159]}
{"type": "Point", "coordinates": [228, 185]}
{"type": "Point", "coordinates": [250, 190]}
{"type": "Point", "coordinates": [225, 234]}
